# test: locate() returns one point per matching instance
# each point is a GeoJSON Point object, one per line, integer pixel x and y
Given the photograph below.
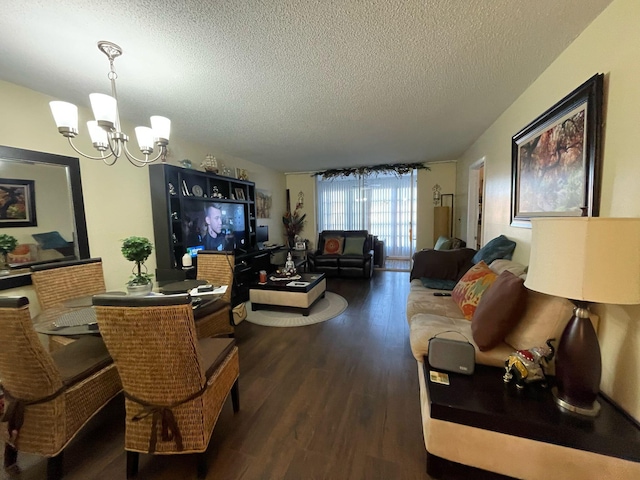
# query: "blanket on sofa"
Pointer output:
{"type": "Point", "coordinates": [442, 264]}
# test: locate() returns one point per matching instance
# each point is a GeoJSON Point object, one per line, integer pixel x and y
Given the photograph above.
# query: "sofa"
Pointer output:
{"type": "Point", "coordinates": [343, 253]}
{"type": "Point", "coordinates": [540, 317]}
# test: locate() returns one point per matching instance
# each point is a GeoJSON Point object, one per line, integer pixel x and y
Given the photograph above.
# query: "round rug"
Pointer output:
{"type": "Point", "coordinates": [327, 308]}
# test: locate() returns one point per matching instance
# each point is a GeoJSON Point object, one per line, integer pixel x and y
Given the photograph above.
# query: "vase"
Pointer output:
{"type": "Point", "coordinates": [4, 265]}
{"type": "Point", "coordinates": [139, 290]}
{"type": "Point", "coordinates": [291, 241]}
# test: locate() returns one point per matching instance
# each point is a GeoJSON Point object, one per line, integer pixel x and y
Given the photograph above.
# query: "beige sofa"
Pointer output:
{"type": "Point", "coordinates": [544, 317]}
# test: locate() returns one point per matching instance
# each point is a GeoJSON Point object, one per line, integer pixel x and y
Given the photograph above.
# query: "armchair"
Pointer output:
{"type": "Point", "coordinates": [57, 282]}
{"type": "Point", "coordinates": [48, 397]}
{"type": "Point", "coordinates": [151, 339]}
{"type": "Point", "coordinates": [216, 267]}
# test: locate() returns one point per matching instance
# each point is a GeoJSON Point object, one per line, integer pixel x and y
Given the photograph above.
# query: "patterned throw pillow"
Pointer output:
{"type": "Point", "coordinates": [333, 246]}
{"type": "Point", "coordinates": [472, 285]}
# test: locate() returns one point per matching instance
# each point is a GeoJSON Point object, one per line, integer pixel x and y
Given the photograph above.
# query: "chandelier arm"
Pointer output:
{"type": "Point", "coordinates": [140, 163]}
{"type": "Point", "coordinates": [101, 157]}
{"type": "Point", "coordinates": [115, 144]}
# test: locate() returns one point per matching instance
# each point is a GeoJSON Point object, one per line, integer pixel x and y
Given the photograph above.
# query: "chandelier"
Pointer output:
{"type": "Point", "coordinates": [105, 132]}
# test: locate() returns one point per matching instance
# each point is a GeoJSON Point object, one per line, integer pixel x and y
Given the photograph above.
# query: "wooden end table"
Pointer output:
{"type": "Point", "coordinates": [482, 400]}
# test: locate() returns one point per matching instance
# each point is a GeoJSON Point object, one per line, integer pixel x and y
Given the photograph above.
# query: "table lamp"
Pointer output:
{"type": "Point", "coordinates": [584, 259]}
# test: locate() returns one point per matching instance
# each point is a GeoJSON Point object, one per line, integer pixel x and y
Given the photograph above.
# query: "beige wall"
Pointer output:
{"type": "Point", "coordinates": [117, 199]}
{"type": "Point", "coordinates": [611, 45]}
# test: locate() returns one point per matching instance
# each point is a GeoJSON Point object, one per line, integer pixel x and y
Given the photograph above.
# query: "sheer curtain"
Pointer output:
{"type": "Point", "coordinates": [384, 205]}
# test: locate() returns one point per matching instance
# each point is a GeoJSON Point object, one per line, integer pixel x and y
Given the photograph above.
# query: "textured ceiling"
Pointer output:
{"type": "Point", "coordinates": [298, 85]}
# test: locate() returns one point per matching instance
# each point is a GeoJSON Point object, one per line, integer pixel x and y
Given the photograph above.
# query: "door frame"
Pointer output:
{"type": "Point", "coordinates": [473, 211]}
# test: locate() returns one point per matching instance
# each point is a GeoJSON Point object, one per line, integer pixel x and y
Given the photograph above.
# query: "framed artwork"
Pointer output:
{"type": "Point", "coordinates": [242, 174]}
{"type": "Point", "coordinates": [263, 204]}
{"type": "Point", "coordinates": [239, 193]}
{"type": "Point", "coordinates": [17, 203]}
{"type": "Point", "coordinates": [555, 160]}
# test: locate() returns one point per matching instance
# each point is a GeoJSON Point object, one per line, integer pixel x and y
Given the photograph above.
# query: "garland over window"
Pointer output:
{"type": "Point", "coordinates": [396, 168]}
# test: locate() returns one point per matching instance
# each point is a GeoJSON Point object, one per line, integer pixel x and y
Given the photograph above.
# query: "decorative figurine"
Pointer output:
{"type": "Point", "coordinates": [210, 164]}
{"type": "Point", "coordinates": [289, 265]}
{"type": "Point", "coordinates": [527, 366]}
{"type": "Point", "coordinates": [215, 193]}
{"type": "Point", "coordinates": [172, 189]}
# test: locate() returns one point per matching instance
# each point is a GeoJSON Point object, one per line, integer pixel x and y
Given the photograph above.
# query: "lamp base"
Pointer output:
{"type": "Point", "coordinates": [566, 406]}
{"type": "Point", "coordinates": [578, 364]}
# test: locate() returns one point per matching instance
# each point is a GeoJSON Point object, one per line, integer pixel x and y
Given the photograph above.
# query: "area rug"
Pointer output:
{"type": "Point", "coordinates": [327, 308]}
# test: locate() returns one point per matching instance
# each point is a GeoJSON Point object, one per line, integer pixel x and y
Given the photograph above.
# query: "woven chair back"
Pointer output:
{"type": "Point", "coordinates": [217, 268]}
{"type": "Point", "coordinates": [26, 368]}
{"type": "Point", "coordinates": [56, 285]}
{"type": "Point", "coordinates": [154, 348]}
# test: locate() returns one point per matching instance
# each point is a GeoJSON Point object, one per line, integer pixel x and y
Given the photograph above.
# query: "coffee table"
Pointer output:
{"type": "Point", "coordinates": [297, 295]}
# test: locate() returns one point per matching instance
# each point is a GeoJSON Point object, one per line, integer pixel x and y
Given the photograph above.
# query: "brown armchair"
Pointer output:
{"type": "Point", "coordinates": [216, 267]}
{"type": "Point", "coordinates": [48, 397]}
{"type": "Point", "coordinates": [151, 339]}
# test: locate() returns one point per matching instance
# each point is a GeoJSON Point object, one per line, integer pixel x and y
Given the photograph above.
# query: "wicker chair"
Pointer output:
{"type": "Point", "coordinates": [175, 385]}
{"type": "Point", "coordinates": [48, 397]}
{"type": "Point", "coordinates": [216, 267]}
{"type": "Point", "coordinates": [57, 282]}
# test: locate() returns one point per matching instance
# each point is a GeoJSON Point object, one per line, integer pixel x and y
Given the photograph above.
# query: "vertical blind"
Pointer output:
{"type": "Point", "coordinates": [384, 205]}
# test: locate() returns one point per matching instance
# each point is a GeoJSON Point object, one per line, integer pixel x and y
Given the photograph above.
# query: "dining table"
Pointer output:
{"type": "Point", "coordinates": [76, 316]}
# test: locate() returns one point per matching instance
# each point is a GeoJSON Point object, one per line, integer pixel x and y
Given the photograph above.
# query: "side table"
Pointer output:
{"type": "Point", "coordinates": [483, 401]}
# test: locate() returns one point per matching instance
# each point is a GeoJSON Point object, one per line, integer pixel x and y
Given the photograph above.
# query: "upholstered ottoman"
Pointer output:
{"type": "Point", "coordinates": [299, 295]}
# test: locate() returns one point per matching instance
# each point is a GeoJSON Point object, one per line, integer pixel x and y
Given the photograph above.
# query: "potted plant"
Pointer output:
{"type": "Point", "coordinates": [138, 249]}
{"type": "Point", "coordinates": [294, 221]}
{"type": "Point", "coordinates": [7, 244]}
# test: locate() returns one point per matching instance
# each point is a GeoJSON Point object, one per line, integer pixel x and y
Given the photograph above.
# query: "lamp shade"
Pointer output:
{"type": "Point", "coordinates": [65, 115]}
{"type": "Point", "coordinates": [592, 259]}
{"type": "Point", "coordinates": [161, 127]}
{"type": "Point", "coordinates": [105, 109]}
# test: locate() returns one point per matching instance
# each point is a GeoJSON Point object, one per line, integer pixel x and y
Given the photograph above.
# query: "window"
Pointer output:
{"type": "Point", "coordinates": [384, 205]}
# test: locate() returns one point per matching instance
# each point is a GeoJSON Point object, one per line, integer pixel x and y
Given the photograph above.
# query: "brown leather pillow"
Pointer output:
{"type": "Point", "coordinates": [498, 311]}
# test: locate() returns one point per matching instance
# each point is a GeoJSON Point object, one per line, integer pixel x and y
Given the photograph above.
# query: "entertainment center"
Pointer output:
{"type": "Point", "coordinates": [185, 202]}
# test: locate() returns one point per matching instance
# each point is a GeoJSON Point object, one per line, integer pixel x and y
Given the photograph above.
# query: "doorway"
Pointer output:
{"type": "Point", "coordinates": [475, 207]}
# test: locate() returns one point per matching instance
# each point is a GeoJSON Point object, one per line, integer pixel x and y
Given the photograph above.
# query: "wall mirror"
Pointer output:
{"type": "Point", "coordinates": [41, 205]}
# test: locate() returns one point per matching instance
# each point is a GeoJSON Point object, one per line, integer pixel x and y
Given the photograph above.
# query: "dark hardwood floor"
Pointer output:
{"type": "Point", "coordinates": [335, 400]}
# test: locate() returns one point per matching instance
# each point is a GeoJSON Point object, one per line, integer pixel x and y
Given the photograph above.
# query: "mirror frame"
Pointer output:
{"type": "Point", "coordinates": [75, 183]}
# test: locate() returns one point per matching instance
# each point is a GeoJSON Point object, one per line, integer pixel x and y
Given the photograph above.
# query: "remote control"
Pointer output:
{"type": "Point", "coordinates": [441, 294]}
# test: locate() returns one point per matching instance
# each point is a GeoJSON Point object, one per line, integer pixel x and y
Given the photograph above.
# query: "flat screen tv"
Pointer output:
{"type": "Point", "coordinates": [214, 226]}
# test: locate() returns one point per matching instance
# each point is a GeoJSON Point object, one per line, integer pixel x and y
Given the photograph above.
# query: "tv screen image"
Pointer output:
{"type": "Point", "coordinates": [213, 226]}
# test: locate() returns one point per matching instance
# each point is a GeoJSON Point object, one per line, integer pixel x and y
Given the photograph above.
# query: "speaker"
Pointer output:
{"type": "Point", "coordinates": [452, 355]}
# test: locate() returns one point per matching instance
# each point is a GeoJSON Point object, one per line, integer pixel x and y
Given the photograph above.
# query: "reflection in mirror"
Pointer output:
{"type": "Point", "coordinates": [41, 205]}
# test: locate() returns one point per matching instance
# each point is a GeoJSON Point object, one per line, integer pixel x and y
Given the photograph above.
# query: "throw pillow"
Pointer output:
{"type": "Point", "coordinates": [443, 243]}
{"type": "Point", "coordinates": [353, 246]}
{"type": "Point", "coordinates": [471, 286]}
{"type": "Point", "coordinates": [50, 240]}
{"type": "Point", "coordinates": [333, 246]}
{"type": "Point", "coordinates": [499, 247]}
{"type": "Point", "coordinates": [498, 311]}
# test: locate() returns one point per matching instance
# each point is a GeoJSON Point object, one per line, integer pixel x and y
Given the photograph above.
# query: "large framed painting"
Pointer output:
{"type": "Point", "coordinates": [17, 203]}
{"type": "Point", "coordinates": [555, 160]}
